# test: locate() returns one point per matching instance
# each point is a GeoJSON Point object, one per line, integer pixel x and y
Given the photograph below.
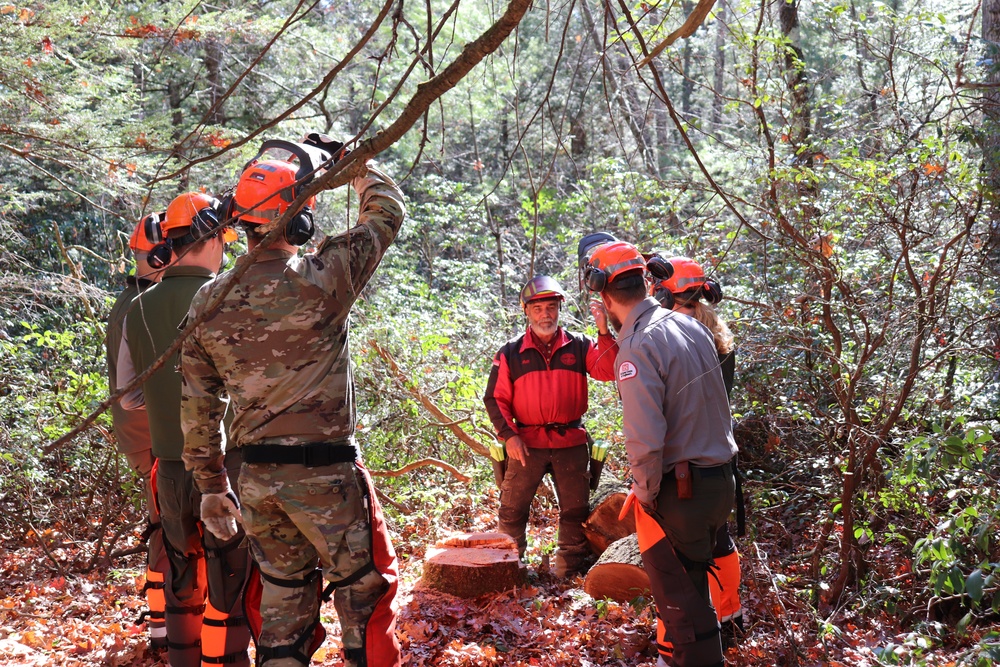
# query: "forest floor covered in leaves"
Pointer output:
{"type": "Point", "coordinates": [87, 619]}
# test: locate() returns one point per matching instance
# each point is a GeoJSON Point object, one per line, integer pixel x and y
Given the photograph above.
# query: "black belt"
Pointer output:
{"type": "Point", "coordinates": [554, 426]}
{"type": "Point", "coordinates": [311, 455]}
{"type": "Point", "coordinates": [720, 470]}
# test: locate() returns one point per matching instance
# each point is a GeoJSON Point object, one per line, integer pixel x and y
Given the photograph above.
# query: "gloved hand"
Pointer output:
{"type": "Point", "coordinates": [334, 148]}
{"type": "Point", "coordinates": [220, 512]}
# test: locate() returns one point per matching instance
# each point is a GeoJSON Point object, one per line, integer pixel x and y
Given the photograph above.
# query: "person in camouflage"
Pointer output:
{"type": "Point", "coordinates": [278, 344]}
{"type": "Point", "coordinates": [132, 434]}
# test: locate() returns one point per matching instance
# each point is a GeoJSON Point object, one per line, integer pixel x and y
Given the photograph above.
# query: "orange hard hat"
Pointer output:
{"type": "Point", "coordinates": [147, 233]}
{"type": "Point", "coordinates": [689, 279]}
{"type": "Point", "coordinates": [540, 288]}
{"type": "Point", "coordinates": [265, 190]}
{"type": "Point", "coordinates": [198, 212]}
{"type": "Point", "coordinates": [609, 261]}
{"type": "Point", "coordinates": [688, 275]}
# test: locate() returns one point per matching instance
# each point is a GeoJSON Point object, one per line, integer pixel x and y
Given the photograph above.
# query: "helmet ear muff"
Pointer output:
{"type": "Point", "coordinates": [665, 297]}
{"type": "Point", "coordinates": [300, 228]}
{"type": "Point", "coordinates": [595, 279]}
{"type": "Point", "coordinates": [206, 221]}
{"type": "Point", "coordinates": [225, 208]}
{"type": "Point", "coordinates": [161, 254]}
{"type": "Point", "coordinates": [712, 291]}
{"type": "Point", "coordinates": [659, 268]}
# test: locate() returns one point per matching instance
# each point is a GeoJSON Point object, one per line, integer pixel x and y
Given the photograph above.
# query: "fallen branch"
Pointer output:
{"type": "Point", "coordinates": [428, 404]}
{"type": "Point", "coordinates": [420, 464]}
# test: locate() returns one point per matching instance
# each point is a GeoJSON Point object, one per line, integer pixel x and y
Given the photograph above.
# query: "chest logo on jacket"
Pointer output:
{"type": "Point", "coordinates": [568, 359]}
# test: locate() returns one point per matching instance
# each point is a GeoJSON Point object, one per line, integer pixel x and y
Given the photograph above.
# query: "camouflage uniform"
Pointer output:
{"type": "Point", "coordinates": [278, 344]}
{"type": "Point", "coordinates": [134, 442]}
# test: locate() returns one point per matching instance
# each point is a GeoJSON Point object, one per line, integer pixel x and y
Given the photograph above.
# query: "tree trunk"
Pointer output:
{"type": "Point", "coordinates": [602, 527]}
{"type": "Point", "coordinates": [990, 132]}
{"type": "Point", "coordinates": [687, 83]}
{"type": "Point", "coordinates": [720, 65]}
{"type": "Point", "coordinates": [474, 564]}
{"type": "Point", "coordinates": [618, 574]}
{"type": "Point", "coordinates": [213, 66]}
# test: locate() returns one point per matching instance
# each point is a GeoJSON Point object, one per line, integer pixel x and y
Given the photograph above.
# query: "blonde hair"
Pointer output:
{"type": "Point", "coordinates": [720, 330]}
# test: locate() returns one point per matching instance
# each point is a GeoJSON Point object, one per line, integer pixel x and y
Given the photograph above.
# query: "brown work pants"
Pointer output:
{"type": "Point", "coordinates": [570, 471]}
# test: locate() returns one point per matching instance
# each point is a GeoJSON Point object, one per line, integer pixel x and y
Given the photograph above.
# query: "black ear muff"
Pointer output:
{"type": "Point", "coordinates": [595, 279]}
{"type": "Point", "coordinates": [712, 291]}
{"type": "Point", "coordinates": [665, 297]}
{"type": "Point", "coordinates": [300, 228]}
{"type": "Point", "coordinates": [225, 208]}
{"type": "Point", "coordinates": [205, 221]}
{"type": "Point", "coordinates": [159, 256]}
{"type": "Point", "coordinates": [659, 268]}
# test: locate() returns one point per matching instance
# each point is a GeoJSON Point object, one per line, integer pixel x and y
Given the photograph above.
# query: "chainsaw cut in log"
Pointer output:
{"type": "Point", "coordinates": [618, 574]}
{"type": "Point", "coordinates": [472, 564]}
{"type": "Point", "coordinates": [602, 527]}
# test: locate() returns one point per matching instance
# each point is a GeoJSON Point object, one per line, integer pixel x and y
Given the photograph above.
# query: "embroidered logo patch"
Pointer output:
{"type": "Point", "coordinates": [627, 371]}
{"type": "Point", "coordinates": [568, 359]}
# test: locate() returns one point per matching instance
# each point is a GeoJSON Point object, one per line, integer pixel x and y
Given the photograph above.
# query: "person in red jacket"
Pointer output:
{"type": "Point", "coordinates": [536, 396]}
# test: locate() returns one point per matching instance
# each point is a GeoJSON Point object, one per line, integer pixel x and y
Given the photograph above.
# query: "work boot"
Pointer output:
{"type": "Point", "coordinates": [732, 631]}
{"type": "Point", "coordinates": [355, 657]}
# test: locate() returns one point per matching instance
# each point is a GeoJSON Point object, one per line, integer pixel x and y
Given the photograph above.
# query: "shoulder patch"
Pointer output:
{"type": "Point", "coordinates": [627, 371]}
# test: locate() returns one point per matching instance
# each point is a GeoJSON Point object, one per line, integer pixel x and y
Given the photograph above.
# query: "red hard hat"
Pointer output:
{"type": "Point", "coordinates": [265, 191]}
{"type": "Point", "coordinates": [539, 288]}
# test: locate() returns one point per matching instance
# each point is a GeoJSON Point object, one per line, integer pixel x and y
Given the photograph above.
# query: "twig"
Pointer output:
{"type": "Point", "coordinates": [405, 509]}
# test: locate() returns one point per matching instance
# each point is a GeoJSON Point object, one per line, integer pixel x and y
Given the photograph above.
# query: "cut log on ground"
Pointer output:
{"type": "Point", "coordinates": [618, 574]}
{"type": "Point", "coordinates": [602, 527]}
{"type": "Point", "coordinates": [474, 564]}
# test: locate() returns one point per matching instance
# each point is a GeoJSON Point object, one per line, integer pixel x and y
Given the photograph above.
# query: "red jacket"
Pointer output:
{"type": "Point", "coordinates": [542, 400]}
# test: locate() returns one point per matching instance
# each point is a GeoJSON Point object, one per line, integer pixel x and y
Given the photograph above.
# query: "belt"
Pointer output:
{"type": "Point", "coordinates": [311, 454]}
{"type": "Point", "coordinates": [720, 470]}
{"type": "Point", "coordinates": [554, 426]}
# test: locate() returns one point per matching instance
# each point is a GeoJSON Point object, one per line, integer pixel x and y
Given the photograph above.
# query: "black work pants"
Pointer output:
{"type": "Point", "coordinates": [676, 548]}
{"type": "Point", "coordinates": [570, 471]}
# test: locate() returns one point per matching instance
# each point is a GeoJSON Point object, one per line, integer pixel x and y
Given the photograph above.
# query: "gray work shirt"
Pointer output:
{"type": "Point", "coordinates": [673, 397]}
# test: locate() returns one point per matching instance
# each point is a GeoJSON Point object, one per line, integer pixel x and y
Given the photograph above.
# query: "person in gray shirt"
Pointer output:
{"type": "Point", "coordinates": [680, 446]}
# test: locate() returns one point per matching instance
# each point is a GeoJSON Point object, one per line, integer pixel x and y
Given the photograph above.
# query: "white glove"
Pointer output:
{"type": "Point", "coordinates": [220, 512]}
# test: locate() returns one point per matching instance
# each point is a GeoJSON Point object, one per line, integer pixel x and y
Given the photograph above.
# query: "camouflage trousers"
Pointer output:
{"type": "Point", "coordinates": [298, 519]}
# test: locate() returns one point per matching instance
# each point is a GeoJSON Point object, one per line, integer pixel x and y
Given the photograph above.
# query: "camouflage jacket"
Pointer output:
{"type": "Point", "coordinates": [278, 343]}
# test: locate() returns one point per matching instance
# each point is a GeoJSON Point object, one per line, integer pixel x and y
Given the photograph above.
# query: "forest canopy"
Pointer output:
{"type": "Point", "coordinates": [834, 165]}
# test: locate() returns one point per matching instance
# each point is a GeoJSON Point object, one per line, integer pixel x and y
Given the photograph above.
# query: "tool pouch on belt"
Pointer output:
{"type": "Point", "coordinates": [682, 471]}
{"type": "Point", "coordinates": [498, 457]}
{"type": "Point", "coordinates": [598, 452]}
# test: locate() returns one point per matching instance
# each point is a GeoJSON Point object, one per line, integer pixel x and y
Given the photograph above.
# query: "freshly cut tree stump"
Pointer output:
{"type": "Point", "coordinates": [602, 527]}
{"type": "Point", "coordinates": [474, 564]}
{"type": "Point", "coordinates": [618, 574]}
